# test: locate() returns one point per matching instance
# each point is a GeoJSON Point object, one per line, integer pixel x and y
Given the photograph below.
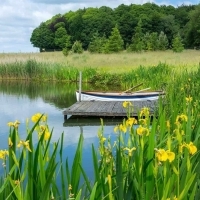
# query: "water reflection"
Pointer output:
{"type": "Point", "coordinates": [20, 100]}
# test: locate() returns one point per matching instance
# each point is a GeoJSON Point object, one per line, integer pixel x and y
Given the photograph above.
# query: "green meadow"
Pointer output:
{"type": "Point", "coordinates": [154, 157]}
{"type": "Point", "coordinates": [111, 63]}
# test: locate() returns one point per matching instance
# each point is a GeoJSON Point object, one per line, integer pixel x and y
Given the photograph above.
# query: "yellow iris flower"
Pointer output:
{"type": "Point", "coordinates": [188, 99]}
{"type": "Point", "coordinates": [143, 121]}
{"type": "Point", "coordinates": [126, 104]}
{"type": "Point", "coordinates": [130, 121]}
{"type": "Point", "coordinates": [142, 131]}
{"type": "Point", "coordinates": [163, 155]}
{"type": "Point", "coordinates": [144, 112]}
{"type": "Point", "coordinates": [36, 117]}
{"type": "Point", "coordinates": [3, 154]}
{"type": "Point", "coordinates": [122, 128]}
{"type": "Point", "coordinates": [130, 151]}
{"type": "Point", "coordinates": [181, 118]}
{"type": "Point", "coordinates": [14, 124]}
{"type": "Point", "coordinates": [171, 155]}
{"type": "Point", "coordinates": [25, 144]}
{"type": "Point", "coordinates": [44, 130]}
{"type": "Point", "coordinates": [191, 147]}
{"type": "Point", "coordinates": [46, 135]}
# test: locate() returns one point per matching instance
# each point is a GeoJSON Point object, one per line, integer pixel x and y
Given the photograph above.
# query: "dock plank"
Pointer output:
{"type": "Point", "coordinates": [107, 108]}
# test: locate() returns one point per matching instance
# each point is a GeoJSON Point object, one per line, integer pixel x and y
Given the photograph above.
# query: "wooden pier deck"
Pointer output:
{"type": "Point", "coordinates": [107, 108]}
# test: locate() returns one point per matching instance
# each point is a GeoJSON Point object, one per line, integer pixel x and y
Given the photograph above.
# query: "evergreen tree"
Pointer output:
{"type": "Point", "coordinates": [162, 41]}
{"type": "Point", "coordinates": [68, 45]}
{"type": "Point", "coordinates": [146, 42]}
{"type": "Point", "coordinates": [137, 39]}
{"type": "Point", "coordinates": [77, 47]}
{"type": "Point", "coordinates": [115, 42]}
{"type": "Point", "coordinates": [97, 45]}
{"type": "Point", "coordinates": [154, 41]}
{"type": "Point", "coordinates": [177, 45]}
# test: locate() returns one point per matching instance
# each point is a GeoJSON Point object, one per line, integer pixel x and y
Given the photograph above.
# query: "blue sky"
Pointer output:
{"type": "Point", "coordinates": [19, 18]}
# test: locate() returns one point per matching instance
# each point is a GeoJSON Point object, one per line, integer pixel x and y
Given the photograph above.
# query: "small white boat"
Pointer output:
{"type": "Point", "coordinates": [118, 96]}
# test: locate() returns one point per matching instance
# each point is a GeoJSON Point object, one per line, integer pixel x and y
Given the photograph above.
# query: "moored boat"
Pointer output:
{"type": "Point", "coordinates": [118, 96]}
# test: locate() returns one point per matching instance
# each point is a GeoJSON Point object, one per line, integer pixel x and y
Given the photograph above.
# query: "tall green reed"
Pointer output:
{"type": "Point", "coordinates": [157, 159]}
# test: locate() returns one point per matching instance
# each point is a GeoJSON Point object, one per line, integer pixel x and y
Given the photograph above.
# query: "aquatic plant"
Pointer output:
{"type": "Point", "coordinates": [150, 159]}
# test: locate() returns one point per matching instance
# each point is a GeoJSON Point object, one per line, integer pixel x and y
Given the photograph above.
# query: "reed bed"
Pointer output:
{"type": "Point", "coordinates": [152, 76]}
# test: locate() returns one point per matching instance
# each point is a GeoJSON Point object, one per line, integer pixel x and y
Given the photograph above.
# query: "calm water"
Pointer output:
{"type": "Point", "coordinates": [20, 100]}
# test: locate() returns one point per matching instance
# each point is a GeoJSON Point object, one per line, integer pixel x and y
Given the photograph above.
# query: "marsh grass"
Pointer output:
{"type": "Point", "coordinates": [112, 63]}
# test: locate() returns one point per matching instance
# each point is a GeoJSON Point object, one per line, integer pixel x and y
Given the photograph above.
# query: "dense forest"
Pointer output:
{"type": "Point", "coordinates": [131, 27]}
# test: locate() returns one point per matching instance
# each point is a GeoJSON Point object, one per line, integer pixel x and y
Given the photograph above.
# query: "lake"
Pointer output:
{"type": "Point", "coordinates": [20, 100]}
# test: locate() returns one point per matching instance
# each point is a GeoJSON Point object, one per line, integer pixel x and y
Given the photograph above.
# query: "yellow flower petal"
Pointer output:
{"type": "Point", "coordinates": [10, 124]}
{"type": "Point", "coordinates": [188, 99]}
{"type": "Point", "coordinates": [142, 131]}
{"type": "Point", "coordinates": [171, 155]}
{"type": "Point", "coordinates": [116, 129]}
{"type": "Point", "coordinates": [122, 128]}
{"type": "Point", "coordinates": [192, 148]}
{"type": "Point", "coordinates": [126, 104]}
{"type": "Point", "coordinates": [3, 154]}
{"type": "Point", "coordinates": [25, 144]}
{"type": "Point", "coordinates": [161, 154]}
{"type": "Point", "coordinates": [130, 121]}
{"type": "Point", "coordinates": [46, 135]}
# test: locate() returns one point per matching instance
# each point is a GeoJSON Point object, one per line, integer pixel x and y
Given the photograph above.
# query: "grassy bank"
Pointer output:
{"type": "Point", "coordinates": [112, 63]}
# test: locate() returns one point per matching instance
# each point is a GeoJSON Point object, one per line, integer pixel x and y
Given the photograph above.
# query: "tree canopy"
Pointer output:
{"type": "Point", "coordinates": [132, 22]}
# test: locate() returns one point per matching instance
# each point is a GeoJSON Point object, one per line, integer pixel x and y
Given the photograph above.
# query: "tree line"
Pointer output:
{"type": "Point", "coordinates": [131, 27]}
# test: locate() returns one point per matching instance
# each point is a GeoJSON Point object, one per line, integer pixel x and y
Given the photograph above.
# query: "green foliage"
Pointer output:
{"type": "Point", "coordinates": [82, 24]}
{"type": "Point", "coordinates": [42, 37]}
{"type": "Point", "coordinates": [162, 41]}
{"type": "Point", "coordinates": [97, 45]}
{"type": "Point", "coordinates": [65, 51]}
{"type": "Point", "coordinates": [169, 27]}
{"type": "Point", "coordinates": [154, 41]}
{"type": "Point", "coordinates": [61, 37]}
{"type": "Point", "coordinates": [115, 42]}
{"type": "Point", "coordinates": [77, 47]}
{"type": "Point", "coordinates": [192, 28]}
{"type": "Point", "coordinates": [177, 45]}
{"type": "Point", "coordinates": [59, 25]}
{"type": "Point", "coordinates": [134, 166]}
{"type": "Point", "coordinates": [137, 39]}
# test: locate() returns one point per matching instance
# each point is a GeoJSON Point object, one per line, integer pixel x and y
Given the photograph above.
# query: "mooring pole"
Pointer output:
{"type": "Point", "coordinates": [80, 85]}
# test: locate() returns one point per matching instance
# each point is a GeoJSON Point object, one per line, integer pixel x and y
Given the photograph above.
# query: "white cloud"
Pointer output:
{"type": "Point", "coordinates": [19, 18]}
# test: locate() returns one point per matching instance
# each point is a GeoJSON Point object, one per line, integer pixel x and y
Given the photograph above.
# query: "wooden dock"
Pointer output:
{"type": "Point", "coordinates": [107, 108]}
{"type": "Point", "coordinates": [91, 121]}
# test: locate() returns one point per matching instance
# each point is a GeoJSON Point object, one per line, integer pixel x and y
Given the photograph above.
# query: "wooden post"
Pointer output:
{"type": "Point", "coordinates": [80, 84]}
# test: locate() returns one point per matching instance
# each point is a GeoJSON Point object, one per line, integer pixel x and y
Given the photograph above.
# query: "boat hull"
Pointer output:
{"type": "Point", "coordinates": [98, 96]}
